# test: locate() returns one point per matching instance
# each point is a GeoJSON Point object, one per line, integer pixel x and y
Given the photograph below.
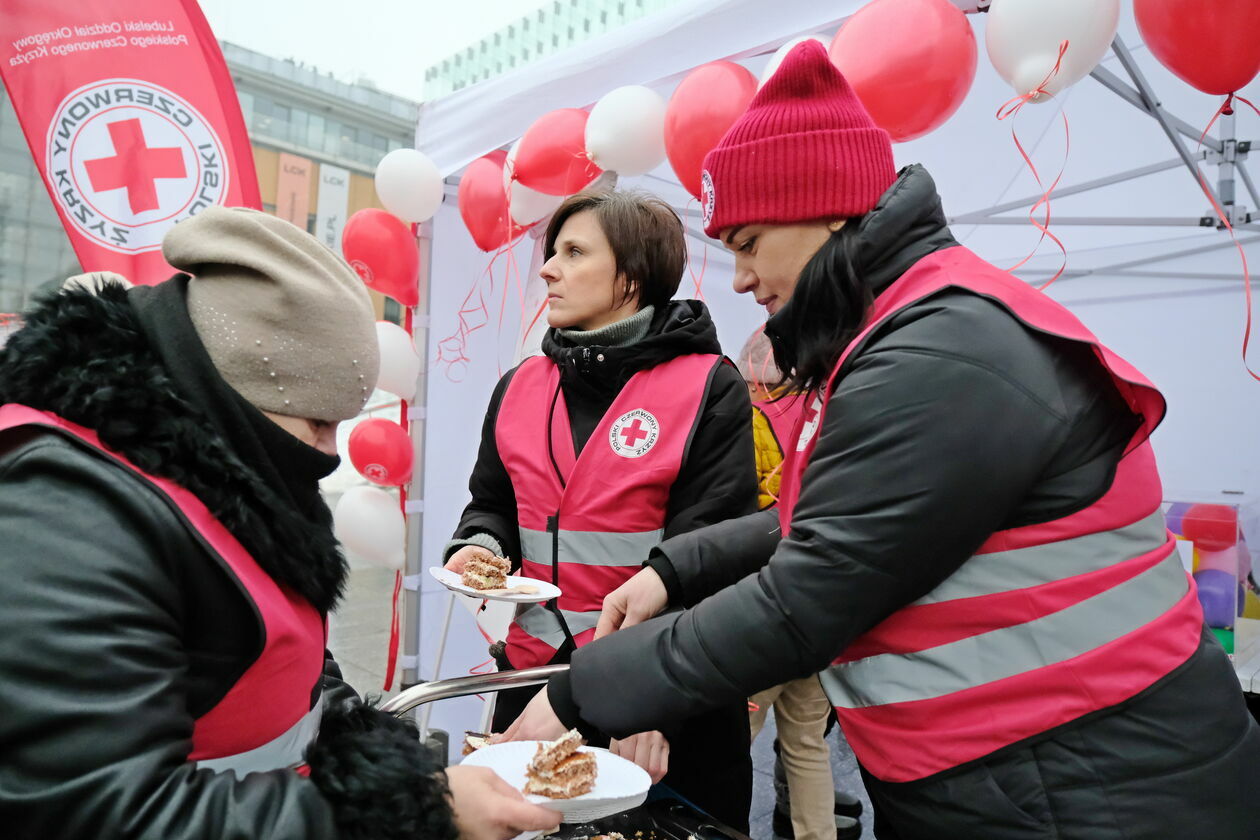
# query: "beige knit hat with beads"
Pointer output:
{"type": "Point", "coordinates": [288, 324]}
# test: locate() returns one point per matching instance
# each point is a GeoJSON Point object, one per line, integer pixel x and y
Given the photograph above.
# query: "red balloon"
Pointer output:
{"type": "Point", "coordinates": [911, 62]}
{"type": "Point", "coordinates": [552, 156]}
{"type": "Point", "coordinates": [703, 107]}
{"type": "Point", "coordinates": [483, 203]}
{"type": "Point", "coordinates": [381, 247]}
{"type": "Point", "coordinates": [1214, 46]}
{"type": "Point", "coordinates": [1211, 527]}
{"type": "Point", "coordinates": [381, 451]}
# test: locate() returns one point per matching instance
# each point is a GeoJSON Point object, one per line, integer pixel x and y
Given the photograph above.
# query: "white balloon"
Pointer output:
{"type": "Point", "coordinates": [509, 166]}
{"type": "Point", "coordinates": [400, 363]}
{"type": "Point", "coordinates": [367, 521]}
{"type": "Point", "coordinates": [409, 185]}
{"type": "Point", "coordinates": [528, 206]}
{"type": "Point", "coordinates": [781, 53]}
{"type": "Point", "coordinates": [1023, 37]}
{"type": "Point", "coordinates": [625, 132]}
{"type": "Point", "coordinates": [525, 206]}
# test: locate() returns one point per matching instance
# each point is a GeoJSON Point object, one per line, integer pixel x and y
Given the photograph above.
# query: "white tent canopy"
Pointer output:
{"type": "Point", "coordinates": [1141, 273]}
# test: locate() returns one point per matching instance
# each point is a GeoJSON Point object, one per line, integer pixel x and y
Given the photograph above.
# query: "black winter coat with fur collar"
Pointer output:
{"type": "Point", "coordinates": [118, 627]}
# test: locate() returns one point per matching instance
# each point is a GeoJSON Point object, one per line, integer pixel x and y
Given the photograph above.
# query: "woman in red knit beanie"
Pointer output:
{"type": "Point", "coordinates": [969, 548]}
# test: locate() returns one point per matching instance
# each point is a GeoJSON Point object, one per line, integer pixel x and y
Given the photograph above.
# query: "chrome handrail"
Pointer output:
{"type": "Point", "coordinates": [429, 692]}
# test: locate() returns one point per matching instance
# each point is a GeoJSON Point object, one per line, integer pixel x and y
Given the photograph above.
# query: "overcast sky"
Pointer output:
{"type": "Point", "coordinates": [390, 42]}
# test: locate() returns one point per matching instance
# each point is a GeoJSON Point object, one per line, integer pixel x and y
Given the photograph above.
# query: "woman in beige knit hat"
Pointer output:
{"type": "Point", "coordinates": [169, 565]}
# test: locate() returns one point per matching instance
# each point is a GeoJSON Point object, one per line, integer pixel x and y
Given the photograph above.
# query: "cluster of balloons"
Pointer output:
{"type": "Point", "coordinates": [379, 244]}
{"type": "Point", "coordinates": [368, 520]}
{"type": "Point", "coordinates": [1222, 563]}
{"type": "Point", "coordinates": [501, 196]}
{"type": "Point", "coordinates": [381, 247]}
{"type": "Point", "coordinates": [911, 62]}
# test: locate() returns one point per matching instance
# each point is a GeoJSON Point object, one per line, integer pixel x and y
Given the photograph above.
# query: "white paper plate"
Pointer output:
{"type": "Point", "coordinates": [546, 591]}
{"type": "Point", "coordinates": [619, 784]}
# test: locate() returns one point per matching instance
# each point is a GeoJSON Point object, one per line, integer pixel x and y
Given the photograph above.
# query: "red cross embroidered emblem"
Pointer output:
{"type": "Point", "coordinates": [634, 432]}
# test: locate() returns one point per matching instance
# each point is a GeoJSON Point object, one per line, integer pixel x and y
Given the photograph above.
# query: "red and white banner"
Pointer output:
{"type": "Point", "coordinates": [131, 116]}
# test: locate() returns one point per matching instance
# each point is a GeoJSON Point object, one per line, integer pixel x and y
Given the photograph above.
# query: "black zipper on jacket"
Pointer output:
{"type": "Point", "coordinates": [551, 452]}
{"type": "Point", "coordinates": [553, 525]}
{"type": "Point", "coordinates": [553, 528]}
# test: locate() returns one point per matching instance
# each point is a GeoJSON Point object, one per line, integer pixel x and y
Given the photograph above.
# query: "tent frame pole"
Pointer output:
{"type": "Point", "coordinates": [1226, 152]}
{"type": "Point", "coordinates": [409, 621]}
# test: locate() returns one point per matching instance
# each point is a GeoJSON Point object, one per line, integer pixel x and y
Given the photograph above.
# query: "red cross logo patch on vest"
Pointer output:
{"type": "Point", "coordinates": [128, 159]}
{"type": "Point", "coordinates": [634, 433]}
{"type": "Point", "coordinates": [810, 426]}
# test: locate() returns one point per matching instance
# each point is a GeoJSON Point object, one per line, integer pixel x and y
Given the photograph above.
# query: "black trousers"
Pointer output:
{"type": "Point", "coordinates": [709, 760]}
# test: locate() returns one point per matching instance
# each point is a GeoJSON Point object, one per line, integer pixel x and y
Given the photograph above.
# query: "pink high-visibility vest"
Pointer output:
{"type": "Point", "coordinates": [1045, 623]}
{"type": "Point", "coordinates": [272, 712]}
{"type": "Point", "coordinates": [587, 522]}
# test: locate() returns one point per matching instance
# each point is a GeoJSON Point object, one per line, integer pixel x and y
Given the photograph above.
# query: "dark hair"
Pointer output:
{"type": "Point", "coordinates": [825, 312]}
{"type": "Point", "coordinates": [646, 236]}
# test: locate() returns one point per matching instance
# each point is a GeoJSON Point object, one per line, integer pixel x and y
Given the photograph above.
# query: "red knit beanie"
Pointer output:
{"type": "Point", "coordinates": [805, 149]}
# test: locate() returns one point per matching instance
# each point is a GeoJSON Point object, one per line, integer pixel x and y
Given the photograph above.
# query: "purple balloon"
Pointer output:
{"type": "Point", "coordinates": [1173, 516]}
{"type": "Point", "coordinates": [1218, 593]}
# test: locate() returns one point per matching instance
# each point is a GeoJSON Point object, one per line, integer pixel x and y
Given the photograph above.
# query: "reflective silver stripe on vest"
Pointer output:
{"type": "Point", "coordinates": [591, 548]}
{"type": "Point", "coordinates": [541, 623]}
{"type": "Point", "coordinates": [978, 660]}
{"type": "Point", "coordinates": [1020, 568]}
{"type": "Point", "coordinates": [280, 752]}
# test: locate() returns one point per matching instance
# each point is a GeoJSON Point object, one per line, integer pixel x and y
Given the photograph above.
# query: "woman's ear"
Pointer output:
{"type": "Point", "coordinates": [623, 294]}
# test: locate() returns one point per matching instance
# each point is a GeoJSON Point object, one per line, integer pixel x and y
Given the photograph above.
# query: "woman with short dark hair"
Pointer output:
{"type": "Point", "coordinates": [629, 429]}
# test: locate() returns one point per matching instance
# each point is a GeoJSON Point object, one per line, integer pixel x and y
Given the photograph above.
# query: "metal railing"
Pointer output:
{"type": "Point", "coordinates": [431, 692]}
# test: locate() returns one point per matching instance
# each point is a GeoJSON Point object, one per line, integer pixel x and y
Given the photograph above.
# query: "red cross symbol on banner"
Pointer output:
{"type": "Point", "coordinates": [634, 433]}
{"type": "Point", "coordinates": [135, 167]}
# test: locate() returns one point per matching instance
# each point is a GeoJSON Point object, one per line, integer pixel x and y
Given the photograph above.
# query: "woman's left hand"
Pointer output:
{"type": "Point", "coordinates": [537, 723]}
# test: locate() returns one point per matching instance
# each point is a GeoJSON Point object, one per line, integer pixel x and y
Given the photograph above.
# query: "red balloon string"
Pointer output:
{"type": "Point", "coordinates": [394, 630]}
{"type": "Point", "coordinates": [1045, 199]}
{"type": "Point", "coordinates": [1010, 109]}
{"type": "Point", "coordinates": [1226, 108]}
{"type": "Point", "coordinates": [1012, 106]}
{"type": "Point", "coordinates": [510, 271]}
{"type": "Point", "coordinates": [696, 279]}
{"type": "Point", "coordinates": [473, 314]}
{"type": "Point", "coordinates": [588, 164]}
{"type": "Point", "coordinates": [542, 307]}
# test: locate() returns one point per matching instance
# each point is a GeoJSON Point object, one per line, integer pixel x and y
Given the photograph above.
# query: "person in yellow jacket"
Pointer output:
{"type": "Point", "coordinates": [801, 709]}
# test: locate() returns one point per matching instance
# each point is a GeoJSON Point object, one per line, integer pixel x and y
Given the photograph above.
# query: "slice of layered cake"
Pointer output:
{"type": "Point", "coordinates": [486, 572]}
{"type": "Point", "coordinates": [559, 770]}
{"type": "Point", "coordinates": [474, 741]}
